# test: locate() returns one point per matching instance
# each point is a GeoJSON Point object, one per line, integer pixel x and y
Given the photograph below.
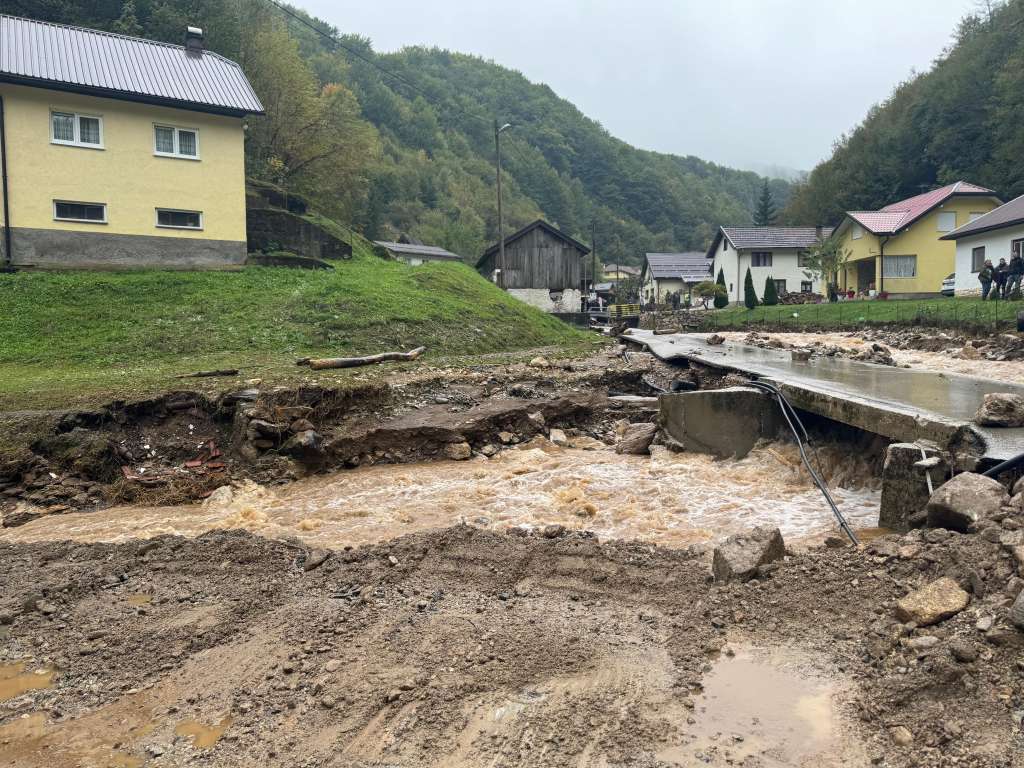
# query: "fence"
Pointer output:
{"type": "Point", "coordinates": [960, 314]}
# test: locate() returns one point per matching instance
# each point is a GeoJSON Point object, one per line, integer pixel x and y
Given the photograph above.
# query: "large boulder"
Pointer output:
{"type": "Point", "coordinates": [636, 439]}
{"type": "Point", "coordinates": [739, 556]}
{"type": "Point", "coordinates": [1017, 612]}
{"type": "Point", "coordinates": [964, 500]}
{"type": "Point", "coordinates": [1001, 409]}
{"type": "Point", "coordinates": [932, 603]}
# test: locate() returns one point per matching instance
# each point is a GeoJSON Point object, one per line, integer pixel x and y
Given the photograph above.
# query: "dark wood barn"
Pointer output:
{"type": "Point", "coordinates": [537, 256]}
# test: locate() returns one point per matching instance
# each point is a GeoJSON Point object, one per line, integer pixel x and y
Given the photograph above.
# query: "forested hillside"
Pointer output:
{"type": "Point", "coordinates": [415, 153]}
{"type": "Point", "coordinates": [963, 119]}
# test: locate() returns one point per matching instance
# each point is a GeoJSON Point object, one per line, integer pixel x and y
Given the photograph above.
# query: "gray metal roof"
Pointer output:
{"type": "Point", "coordinates": [775, 237]}
{"type": "Point", "coordinates": [691, 266]}
{"type": "Point", "coordinates": [1007, 215]}
{"type": "Point", "coordinates": [90, 61]}
{"type": "Point", "coordinates": [426, 251]}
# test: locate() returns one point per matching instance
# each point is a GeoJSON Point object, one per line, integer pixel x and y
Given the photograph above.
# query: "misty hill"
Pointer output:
{"type": "Point", "coordinates": [963, 119]}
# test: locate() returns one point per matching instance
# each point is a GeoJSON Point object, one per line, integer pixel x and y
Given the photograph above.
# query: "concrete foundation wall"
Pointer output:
{"type": "Point", "coordinates": [62, 249]}
{"type": "Point", "coordinates": [541, 299]}
{"type": "Point", "coordinates": [724, 422]}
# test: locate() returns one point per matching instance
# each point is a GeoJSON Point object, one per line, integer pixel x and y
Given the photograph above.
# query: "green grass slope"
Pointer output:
{"type": "Point", "coordinates": [80, 336]}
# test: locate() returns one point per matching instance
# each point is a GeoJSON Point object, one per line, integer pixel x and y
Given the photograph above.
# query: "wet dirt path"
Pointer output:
{"type": "Point", "coordinates": [671, 499]}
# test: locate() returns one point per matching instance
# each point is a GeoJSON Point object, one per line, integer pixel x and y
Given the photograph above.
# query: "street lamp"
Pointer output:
{"type": "Point", "coordinates": [501, 220]}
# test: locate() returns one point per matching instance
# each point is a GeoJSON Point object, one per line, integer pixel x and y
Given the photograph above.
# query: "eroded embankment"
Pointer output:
{"type": "Point", "coordinates": [463, 647]}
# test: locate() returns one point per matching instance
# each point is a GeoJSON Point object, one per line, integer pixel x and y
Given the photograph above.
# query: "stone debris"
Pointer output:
{"type": "Point", "coordinates": [458, 451]}
{"type": "Point", "coordinates": [540, 362]}
{"type": "Point", "coordinates": [740, 556]}
{"type": "Point", "coordinates": [558, 437]}
{"type": "Point", "coordinates": [1017, 612]}
{"type": "Point", "coordinates": [1001, 409]}
{"type": "Point", "coordinates": [636, 439]}
{"type": "Point", "coordinates": [933, 603]}
{"type": "Point", "coordinates": [965, 500]}
{"type": "Point", "coordinates": [715, 340]}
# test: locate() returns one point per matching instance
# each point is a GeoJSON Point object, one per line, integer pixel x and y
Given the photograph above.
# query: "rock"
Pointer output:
{"type": "Point", "coordinates": [307, 445]}
{"type": "Point", "coordinates": [301, 425]}
{"type": "Point", "coordinates": [540, 362]}
{"type": "Point", "coordinates": [901, 736]}
{"type": "Point", "coordinates": [740, 556]}
{"type": "Point", "coordinates": [715, 340]}
{"type": "Point", "coordinates": [963, 651]}
{"type": "Point", "coordinates": [922, 643]}
{"type": "Point", "coordinates": [553, 531]}
{"type": "Point", "coordinates": [489, 450]}
{"type": "Point", "coordinates": [969, 353]}
{"type": "Point", "coordinates": [458, 451]}
{"type": "Point", "coordinates": [636, 439]}
{"type": "Point", "coordinates": [536, 419]}
{"type": "Point", "coordinates": [333, 665]}
{"type": "Point", "coordinates": [46, 608]}
{"type": "Point", "coordinates": [933, 603]}
{"type": "Point", "coordinates": [1018, 487]}
{"type": "Point", "coordinates": [1001, 409]}
{"type": "Point", "coordinates": [1017, 612]}
{"type": "Point", "coordinates": [506, 437]}
{"type": "Point", "coordinates": [328, 702]}
{"type": "Point", "coordinates": [984, 623]}
{"type": "Point", "coordinates": [316, 558]}
{"type": "Point", "coordinates": [963, 501]}
{"type": "Point", "coordinates": [557, 436]}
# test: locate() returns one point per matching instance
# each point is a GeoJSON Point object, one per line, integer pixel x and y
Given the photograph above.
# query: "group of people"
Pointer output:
{"type": "Point", "coordinates": [1000, 281]}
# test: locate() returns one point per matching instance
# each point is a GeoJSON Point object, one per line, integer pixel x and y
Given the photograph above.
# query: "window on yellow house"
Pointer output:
{"type": "Point", "coordinates": [76, 130]}
{"type": "Point", "coordinates": [169, 217]}
{"type": "Point", "coordinates": [947, 221]}
{"type": "Point", "coordinates": [92, 213]}
{"type": "Point", "coordinates": [169, 141]}
{"type": "Point", "coordinates": [899, 266]}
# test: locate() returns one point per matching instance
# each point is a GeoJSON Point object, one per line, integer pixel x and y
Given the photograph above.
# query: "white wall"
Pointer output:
{"type": "Point", "coordinates": [784, 267]}
{"type": "Point", "coordinates": [541, 299]}
{"type": "Point", "coordinates": [997, 246]}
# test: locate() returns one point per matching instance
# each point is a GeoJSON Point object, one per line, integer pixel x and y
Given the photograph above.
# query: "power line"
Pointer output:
{"type": "Point", "coordinates": [334, 41]}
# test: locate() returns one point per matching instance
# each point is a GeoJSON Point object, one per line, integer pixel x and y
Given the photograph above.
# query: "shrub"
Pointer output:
{"type": "Point", "coordinates": [749, 294]}
{"type": "Point", "coordinates": [721, 296]}
{"type": "Point", "coordinates": [771, 292]}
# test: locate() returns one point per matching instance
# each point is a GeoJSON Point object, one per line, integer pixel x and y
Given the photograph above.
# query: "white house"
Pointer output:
{"type": "Point", "coordinates": [776, 252]}
{"type": "Point", "coordinates": [664, 273]}
{"type": "Point", "coordinates": [999, 234]}
{"type": "Point", "coordinates": [416, 253]}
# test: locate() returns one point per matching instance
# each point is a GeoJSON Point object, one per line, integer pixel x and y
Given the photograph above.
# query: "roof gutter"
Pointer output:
{"type": "Point", "coordinates": [8, 248]}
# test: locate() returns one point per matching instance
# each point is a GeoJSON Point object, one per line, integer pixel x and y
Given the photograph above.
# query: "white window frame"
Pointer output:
{"type": "Point", "coordinates": [176, 154]}
{"type": "Point", "coordinates": [889, 261]}
{"type": "Point", "coordinates": [80, 221]}
{"type": "Point", "coordinates": [202, 220]}
{"type": "Point", "coordinates": [768, 262]}
{"type": "Point", "coordinates": [76, 142]}
{"type": "Point", "coordinates": [938, 221]}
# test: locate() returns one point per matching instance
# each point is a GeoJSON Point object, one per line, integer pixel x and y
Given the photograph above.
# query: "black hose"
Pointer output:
{"type": "Point", "coordinates": [1005, 466]}
{"type": "Point", "coordinates": [793, 420]}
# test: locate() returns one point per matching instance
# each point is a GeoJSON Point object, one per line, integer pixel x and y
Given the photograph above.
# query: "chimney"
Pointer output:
{"type": "Point", "coordinates": [194, 40]}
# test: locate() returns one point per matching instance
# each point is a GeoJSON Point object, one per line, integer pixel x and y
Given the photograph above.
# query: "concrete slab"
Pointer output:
{"type": "Point", "coordinates": [903, 404]}
{"type": "Point", "coordinates": [724, 422]}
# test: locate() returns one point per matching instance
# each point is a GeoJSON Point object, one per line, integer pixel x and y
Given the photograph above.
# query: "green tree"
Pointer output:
{"type": "Point", "coordinates": [749, 294]}
{"type": "Point", "coordinates": [765, 213]}
{"type": "Point", "coordinates": [708, 290]}
{"type": "Point", "coordinates": [823, 261]}
{"type": "Point", "coordinates": [722, 296]}
{"type": "Point", "coordinates": [128, 22]}
{"type": "Point", "coordinates": [770, 297]}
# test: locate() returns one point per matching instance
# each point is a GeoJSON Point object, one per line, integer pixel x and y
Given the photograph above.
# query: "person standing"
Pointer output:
{"type": "Point", "coordinates": [1014, 271]}
{"type": "Point", "coordinates": [985, 275]}
{"type": "Point", "coordinates": [999, 276]}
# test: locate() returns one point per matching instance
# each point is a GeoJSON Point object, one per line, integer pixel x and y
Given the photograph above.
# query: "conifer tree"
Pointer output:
{"type": "Point", "coordinates": [770, 297]}
{"type": "Point", "coordinates": [721, 295]}
{"type": "Point", "coordinates": [749, 294]}
{"type": "Point", "coordinates": [764, 216]}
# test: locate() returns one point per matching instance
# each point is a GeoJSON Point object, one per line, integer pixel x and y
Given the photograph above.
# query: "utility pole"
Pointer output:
{"type": "Point", "coordinates": [593, 257]}
{"type": "Point", "coordinates": [501, 218]}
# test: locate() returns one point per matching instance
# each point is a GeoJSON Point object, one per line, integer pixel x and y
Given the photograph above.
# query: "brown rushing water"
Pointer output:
{"type": "Point", "coordinates": [672, 499]}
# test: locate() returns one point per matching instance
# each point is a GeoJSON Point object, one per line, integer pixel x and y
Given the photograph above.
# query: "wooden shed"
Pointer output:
{"type": "Point", "coordinates": [538, 256]}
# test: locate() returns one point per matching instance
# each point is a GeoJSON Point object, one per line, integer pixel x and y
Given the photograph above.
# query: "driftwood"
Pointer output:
{"type": "Point", "coordinates": [206, 374]}
{"type": "Point", "coordinates": [318, 364]}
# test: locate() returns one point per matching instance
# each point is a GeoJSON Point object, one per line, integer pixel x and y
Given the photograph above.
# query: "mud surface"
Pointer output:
{"type": "Point", "coordinates": [464, 647]}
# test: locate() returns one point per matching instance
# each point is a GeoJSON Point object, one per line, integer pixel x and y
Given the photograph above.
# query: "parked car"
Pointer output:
{"type": "Point", "coordinates": [948, 285]}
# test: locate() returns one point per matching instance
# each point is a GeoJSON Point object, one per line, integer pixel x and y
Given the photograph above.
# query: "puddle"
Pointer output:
{"type": "Point", "coordinates": [672, 499]}
{"type": "Point", "coordinates": [202, 736]}
{"type": "Point", "coordinates": [764, 708]}
{"type": "Point", "coordinates": [14, 680]}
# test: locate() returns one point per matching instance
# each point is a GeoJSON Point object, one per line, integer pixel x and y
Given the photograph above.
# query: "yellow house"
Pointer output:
{"type": "Point", "coordinates": [898, 248]}
{"type": "Point", "coordinates": [120, 152]}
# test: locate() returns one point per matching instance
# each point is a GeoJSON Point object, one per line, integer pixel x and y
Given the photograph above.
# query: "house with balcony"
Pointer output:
{"type": "Point", "coordinates": [900, 249]}
{"type": "Point", "coordinates": [120, 152]}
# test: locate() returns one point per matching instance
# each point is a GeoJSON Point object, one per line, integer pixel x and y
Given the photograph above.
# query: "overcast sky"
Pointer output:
{"type": "Point", "coordinates": [740, 82]}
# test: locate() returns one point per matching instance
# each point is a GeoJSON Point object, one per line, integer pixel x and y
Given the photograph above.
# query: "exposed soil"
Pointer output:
{"type": "Point", "coordinates": [463, 647]}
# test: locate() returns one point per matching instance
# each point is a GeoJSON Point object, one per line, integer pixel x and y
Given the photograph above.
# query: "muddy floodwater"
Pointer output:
{"type": "Point", "coordinates": [671, 499]}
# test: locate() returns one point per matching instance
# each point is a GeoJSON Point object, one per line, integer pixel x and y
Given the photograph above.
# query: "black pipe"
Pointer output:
{"type": "Point", "coordinates": [8, 252]}
{"type": "Point", "coordinates": [1005, 466]}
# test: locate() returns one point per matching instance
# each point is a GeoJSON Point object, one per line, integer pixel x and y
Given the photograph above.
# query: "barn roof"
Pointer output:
{"type": "Point", "coordinates": [90, 61]}
{"type": "Point", "coordinates": [690, 266]}
{"type": "Point", "coordinates": [411, 249]}
{"type": "Point", "coordinates": [553, 231]}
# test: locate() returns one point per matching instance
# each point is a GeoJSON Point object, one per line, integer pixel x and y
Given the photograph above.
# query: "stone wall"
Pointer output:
{"type": "Point", "coordinates": [568, 300]}
{"type": "Point", "coordinates": [67, 249]}
{"type": "Point", "coordinates": [274, 229]}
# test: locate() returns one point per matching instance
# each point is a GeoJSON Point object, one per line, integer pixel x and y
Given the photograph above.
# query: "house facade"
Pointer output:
{"type": "Point", "coordinates": [775, 252]}
{"type": "Point", "coordinates": [543, 267]}
{"type": "Point", "coordinates": [997, 235]}
{"type": "Point", "coordinates": [665, 273]}
{"type": "Point", "coordinates": [900, 249]}
{"type": "Point", "coordinates": [127, 154]}
{"type": "Point", "coordinates": [616, 273]}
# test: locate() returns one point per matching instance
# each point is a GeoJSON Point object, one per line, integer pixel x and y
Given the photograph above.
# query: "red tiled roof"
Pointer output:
{"type": "Point", "coordinates": [896, 216]}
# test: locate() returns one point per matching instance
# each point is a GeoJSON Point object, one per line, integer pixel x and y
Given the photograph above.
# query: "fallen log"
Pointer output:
{"type": "Point", "coordinates": [206, 374]}
{"type": "Point", "coordinates": [318, 364]}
